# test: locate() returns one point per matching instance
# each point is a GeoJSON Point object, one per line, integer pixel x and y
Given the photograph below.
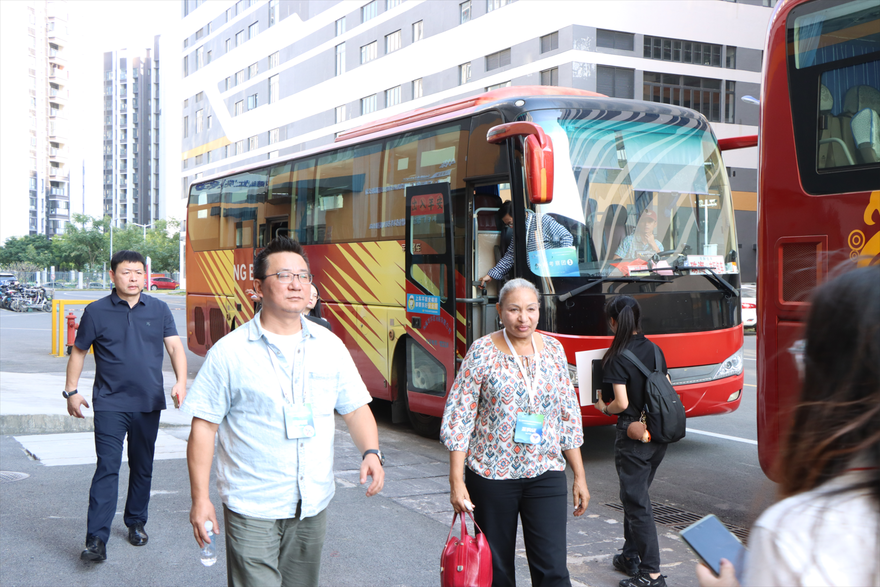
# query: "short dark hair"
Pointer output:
{"type": "Point", "coordinates": [129, 256]}
{"type": "Point", "coordinates": [279, 244]}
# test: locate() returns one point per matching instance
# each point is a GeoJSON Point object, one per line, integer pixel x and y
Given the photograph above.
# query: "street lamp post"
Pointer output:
{"type": "Point", "coordinates": [145, 227]}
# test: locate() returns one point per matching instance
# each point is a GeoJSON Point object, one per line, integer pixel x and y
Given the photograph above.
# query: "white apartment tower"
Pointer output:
{"type": "Point", "coordinates": [131, 183]}
{"type": "Point", "coordinates": [35, 177]}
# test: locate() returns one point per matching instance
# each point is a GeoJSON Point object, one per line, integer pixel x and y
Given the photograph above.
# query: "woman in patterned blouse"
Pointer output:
{"type": "Point", "coordinates": [514, 419]}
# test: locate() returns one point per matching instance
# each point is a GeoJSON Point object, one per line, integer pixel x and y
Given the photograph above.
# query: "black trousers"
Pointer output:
{"type": "Point", "coordinates": [636, 464]}
{"type": "Point", "coordinates": [110, 431]}
{"type": "Point", "coordinates": [541, 504]}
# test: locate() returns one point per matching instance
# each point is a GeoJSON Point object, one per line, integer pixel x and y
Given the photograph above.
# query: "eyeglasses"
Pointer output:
{"type": "Point", "coordinates": [287, 276]}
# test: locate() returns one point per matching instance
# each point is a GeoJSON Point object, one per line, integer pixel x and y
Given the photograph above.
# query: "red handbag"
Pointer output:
{"type": "Point", "coordinates": [466, 561]}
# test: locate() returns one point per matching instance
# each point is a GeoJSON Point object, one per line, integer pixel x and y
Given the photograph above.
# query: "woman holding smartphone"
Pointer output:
{"type": "Point", "coordinates": [635, 457]}
{"type": "Point", "coordinates": [825, 530]}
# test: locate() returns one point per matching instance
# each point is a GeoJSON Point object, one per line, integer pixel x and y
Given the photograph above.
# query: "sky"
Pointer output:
{"type": "Point", "coordinates": [97, 26]}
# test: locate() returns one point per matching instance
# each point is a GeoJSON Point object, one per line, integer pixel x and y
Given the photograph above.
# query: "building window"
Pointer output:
{"type": "Point", "coordinates": [228, 45]}
{"type": "Point", "coordinates": [239, 77]}
{"type": "Point", "coordinates": [253, 30]}
{"type": "Point", "coordinates": [273, 135]}
{"type": "Point", "coordinates": [392, 42]}
{"type": "Point", "coordinates": [417, 88]}
{"type": "Point", "coordinates": [682, 51]}
{"type": "Point", "coordinates": [464, 73]}
{"type": "Point", "coordinates": [239, 147]}
{"type": "Point", "coordinates": [464, 10]}
{"type": "Point", "coordinates": [340, 59]}
{"type": "Point", "coordinates": [340, 114]}
{"type": "Point", "coordinates": [185, 127]}
{"type": "Point", "coordinates": [506, 84]}
{"type": "Point", "coordinates": [208, 58]}
{"type": "Point", "coordinates": [614, 40]}
{"type": "Point", "coordinates": [700, 94]}
{"type": "Point", "coordinates": [389, 4]}
{"type": "Point", "coordinates": [340, 26]}
{"type": "Point", "coordinates": [550, 77]}
{"type": "Point", "coordinates": [252, 101]}
{"type": "Point", "coordinates": [185, 45]}
{"type": "Point", "coordinates": [253, 70]}
{"type": "Point", "coordinates": [273, 89]}
{"type": "Point", "coordinates": [496, 60]}
{"type": "Point", "coordinates": [239, 38]}
{"type": "Point", "coordinates": [730, 60]}
{"type": "Point", "coordinates": [550, 42]}
{"type": "Point", "coordinates": [200, 96]}
{"type": "Point", "coordinates": [210, 120]}
{"type": "Point", "coordinates": [200, 58]}
{"type": "Point", "coordinates": [369, 52]}
{"type": "Point", "coordinates": [210, 27]}
{"type": "Point", "coordinates": [418, 31]}
{"type": "Point", "coordinates": [273, 12]}
{"type": "Point", "coordinates": [274, 59]}
{"type": "Point", "coordinates": [198, 159]}
{"type": "Point", "coordinates": [616, 82]}
{"type": "Point", "coordinates": [199, 116]}
{"type": "Point", "coordinates": [253, 143]}
{"type": "Point", "coordinates": [495, 4]}
{"type": "Point", "coordinates": [228, 84]}
{"type": "Point", "coordinates": [239, 108]}
{"type": "Point", "coordinates": [200, 33]}
{"type": "Point", "coordinates": [368, 104]}
{"type": "Point", "coordinates": [392, 97]}
{"type": "Point", "coordinates": [729, 101]}
{"type": "Point", "coordinates": [369, 11]}
{"type": "Point", "coordinates": [185, 65]}
{"type": "Point", "coordinates": [229, 14]}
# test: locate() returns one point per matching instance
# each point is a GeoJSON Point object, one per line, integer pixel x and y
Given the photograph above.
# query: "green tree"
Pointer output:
{"type": "Point", "coordinates": [161, 243]}
{"type": "Point", "coordinates": [33, 249]}
{"type": "Point", "coordinates": [82, 245]}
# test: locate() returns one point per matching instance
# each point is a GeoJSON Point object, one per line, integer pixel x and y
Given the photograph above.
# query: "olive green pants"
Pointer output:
{"type": "Point", "coordinates": [274, 553]}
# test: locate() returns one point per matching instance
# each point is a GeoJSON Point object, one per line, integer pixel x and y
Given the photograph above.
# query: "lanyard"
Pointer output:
{"type": "Point", "coordinates": [530, 385]}
{"type": "Point", "coordinates": [286, 394]}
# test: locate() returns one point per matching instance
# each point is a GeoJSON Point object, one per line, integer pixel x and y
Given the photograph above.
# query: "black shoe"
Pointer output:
{"type": "Point", "coordinates": [95, 550]}
{"type": "Point", "coordinates": [628, 566]}
{"type": "Point", "coordinates": [137, 535]}
{"type": "Point", "coordinates": [644, 580]}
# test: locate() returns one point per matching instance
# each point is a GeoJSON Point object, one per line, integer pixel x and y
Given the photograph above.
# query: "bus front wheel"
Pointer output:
{"type": "Point", "coordinates": [424, 425]}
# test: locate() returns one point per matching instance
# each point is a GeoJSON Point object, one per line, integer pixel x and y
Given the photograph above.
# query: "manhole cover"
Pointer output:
{"type": "Point", "coordinates": [679, 519]}
{"type": "Point", "coordinates": [9, 476]}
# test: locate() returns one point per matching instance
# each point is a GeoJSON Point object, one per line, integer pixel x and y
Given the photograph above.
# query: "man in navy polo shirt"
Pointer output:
{"type": "Point", "coordinates": [128, 331]}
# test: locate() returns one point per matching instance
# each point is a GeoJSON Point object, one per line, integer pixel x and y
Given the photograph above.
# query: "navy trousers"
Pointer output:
{"type": "Point", "coordinates": [110, 431]}
{"type": "Point", "coordinates": [540, 503]}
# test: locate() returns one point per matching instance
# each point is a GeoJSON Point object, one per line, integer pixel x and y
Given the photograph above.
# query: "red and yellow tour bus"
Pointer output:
{"type": "Point", "coordinates": [398, 219]}
{"type": "Point", "coordinates": [819, 176]}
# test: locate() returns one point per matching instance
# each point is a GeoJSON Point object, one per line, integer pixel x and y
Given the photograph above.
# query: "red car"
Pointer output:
{"type": "Point", "coordinates": [163, 283]}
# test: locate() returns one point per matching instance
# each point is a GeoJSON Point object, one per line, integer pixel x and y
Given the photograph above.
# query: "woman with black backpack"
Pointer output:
{"type": "Point", "coordinates": [635, 456]}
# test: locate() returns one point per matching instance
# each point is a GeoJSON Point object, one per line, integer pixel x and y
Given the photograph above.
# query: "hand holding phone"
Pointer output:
{"type": "Point", "coordinates": [712, 542]}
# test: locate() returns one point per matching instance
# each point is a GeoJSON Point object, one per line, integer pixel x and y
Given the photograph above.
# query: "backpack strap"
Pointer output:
{"type": "Point", "coordinates": [658, 360]}
{"type": "Point", "coordinates": [635, 361]}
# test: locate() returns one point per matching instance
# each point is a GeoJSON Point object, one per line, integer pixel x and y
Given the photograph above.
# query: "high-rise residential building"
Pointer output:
{"type": "Point", "coordinates": [131, 185]}
{"type": "Point", "coordinates": [35, 178]}
{"type": "Point", "coordinates": [269, 78]}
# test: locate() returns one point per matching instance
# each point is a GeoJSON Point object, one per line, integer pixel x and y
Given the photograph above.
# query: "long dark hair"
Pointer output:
{"type": "Point", "coordinates": [628, 315]}
{"type": "Point", "coordinates": [318, 310]}
{"type": "Point", "coordinates": [838, 416]}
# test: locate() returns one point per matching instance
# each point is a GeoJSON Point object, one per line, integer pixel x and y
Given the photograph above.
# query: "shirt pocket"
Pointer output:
{"type": "Point", "coordinates": [322, 391]}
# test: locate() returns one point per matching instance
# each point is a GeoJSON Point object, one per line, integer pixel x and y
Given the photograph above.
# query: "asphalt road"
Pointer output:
{"type": "Point", "coordinates": [393, 539]}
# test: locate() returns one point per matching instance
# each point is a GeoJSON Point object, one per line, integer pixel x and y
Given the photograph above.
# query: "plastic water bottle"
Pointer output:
{"type": "Point", "coordinates": [208, 554]}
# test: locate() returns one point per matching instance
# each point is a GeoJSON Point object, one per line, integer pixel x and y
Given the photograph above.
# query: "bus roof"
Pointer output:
{"type": "Point", "coordinates": [422, 114]}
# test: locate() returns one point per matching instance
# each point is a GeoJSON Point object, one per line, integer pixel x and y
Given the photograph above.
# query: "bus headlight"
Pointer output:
{"type": "Point", "coordinates": [732, 365]}
{"type": "Point", "coordinates": [573, 374]}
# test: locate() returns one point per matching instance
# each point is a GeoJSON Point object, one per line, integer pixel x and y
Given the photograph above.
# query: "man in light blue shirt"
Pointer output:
{"type": "Point", "coordinates": [268, 391]}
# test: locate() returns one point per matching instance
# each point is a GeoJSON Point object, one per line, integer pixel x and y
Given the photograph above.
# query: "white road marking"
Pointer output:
{"type": "Point", "coordinates": [723, 436]}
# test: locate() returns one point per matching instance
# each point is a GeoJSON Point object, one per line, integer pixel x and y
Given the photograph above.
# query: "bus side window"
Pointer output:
{"type": "Point", "coordinates": [203, 216]}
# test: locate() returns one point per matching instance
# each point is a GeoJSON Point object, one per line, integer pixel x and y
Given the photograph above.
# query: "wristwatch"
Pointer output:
{"type": "Point", "coordinates": [67, 394]}
{"type": "Point", "coordinates": [377, 452]}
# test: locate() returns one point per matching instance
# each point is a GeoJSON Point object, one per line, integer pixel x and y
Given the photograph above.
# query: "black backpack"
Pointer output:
{"type": "Point", "coordinates": [664, 413]}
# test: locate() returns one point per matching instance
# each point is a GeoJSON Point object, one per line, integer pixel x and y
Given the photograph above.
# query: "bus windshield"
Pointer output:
{"type": "Point", "coordinates": [637, 191]}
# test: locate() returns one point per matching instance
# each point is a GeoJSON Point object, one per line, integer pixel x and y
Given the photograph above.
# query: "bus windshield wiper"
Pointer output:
{"type": "Point", "coordinates": [719, 282]}
{"type": "Point", "coordinates": [618, 279]}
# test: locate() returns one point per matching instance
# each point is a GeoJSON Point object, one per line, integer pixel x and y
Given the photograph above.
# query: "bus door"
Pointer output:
{"type": "Point", "coordinates": [430, 303]}
{"type": "Point", "coordinates": [488, 239]}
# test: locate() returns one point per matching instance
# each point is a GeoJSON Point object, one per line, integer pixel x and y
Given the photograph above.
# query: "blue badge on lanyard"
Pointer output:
{"type": "Point", "coordinates": [529, 426]}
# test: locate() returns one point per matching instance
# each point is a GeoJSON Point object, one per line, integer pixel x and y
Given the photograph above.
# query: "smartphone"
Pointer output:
{"type": "Point", "coordinates": [712, 542]}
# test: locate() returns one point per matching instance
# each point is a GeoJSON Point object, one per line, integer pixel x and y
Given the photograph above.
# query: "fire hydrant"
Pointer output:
{"type": "Point", "coordinates": [71, 331]}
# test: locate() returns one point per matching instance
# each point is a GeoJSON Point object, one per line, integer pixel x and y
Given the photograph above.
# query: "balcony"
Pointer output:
{"type": "Point", "coordinates": [57, 57]}
{"type": "Point", "coordinates": [58, 131]}
{"type": "Point", "coordinates": [58, 95]}
{"type": "Point", "coordinates": [58, 155]}
{"type": "Point", "coordinates": [56, 30]}
{"type": "Point", "coordinates": [58, 75]}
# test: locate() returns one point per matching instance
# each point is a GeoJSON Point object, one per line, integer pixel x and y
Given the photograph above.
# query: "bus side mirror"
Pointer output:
{"type": "Point", "coordinates": [538, 157]}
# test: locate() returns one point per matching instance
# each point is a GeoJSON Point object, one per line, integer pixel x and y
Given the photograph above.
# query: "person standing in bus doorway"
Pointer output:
{"type": "Point", "coordinates": [128, 330]}
{"type": "Point", "coordinates": [268, 391]}
{"type": "Point", "coordinates": [641, 243]}
{"type": "Point", "coordinates": [555, 236]}
{"type": "Point", "coordinates": [635, 457]}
